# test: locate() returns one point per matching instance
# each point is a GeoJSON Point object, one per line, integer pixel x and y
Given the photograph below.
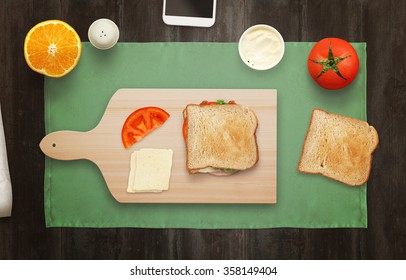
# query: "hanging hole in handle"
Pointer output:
{"type": "Point", "coordinates": [54, 145]}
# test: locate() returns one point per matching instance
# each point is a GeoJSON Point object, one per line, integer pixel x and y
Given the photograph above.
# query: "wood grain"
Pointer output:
{"type": "Point", "coordinates": [378, 23]}
{"type": "Point", "coordinates": [103, 146]}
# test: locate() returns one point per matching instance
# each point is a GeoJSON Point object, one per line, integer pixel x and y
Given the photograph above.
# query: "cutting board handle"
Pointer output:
{"type": "Point", "coordinates": [64, 144]}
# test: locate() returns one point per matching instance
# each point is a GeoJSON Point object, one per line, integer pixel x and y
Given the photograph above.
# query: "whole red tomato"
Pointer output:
{"type": "Point", "coordinates": [333, 63]}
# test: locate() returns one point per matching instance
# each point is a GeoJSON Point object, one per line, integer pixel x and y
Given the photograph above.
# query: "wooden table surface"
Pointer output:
{"type": "Point", "coordinates": [379, 23]}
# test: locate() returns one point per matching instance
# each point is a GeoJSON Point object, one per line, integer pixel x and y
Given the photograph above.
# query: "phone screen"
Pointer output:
{"type": "Point", "coordinates": [190, 8]}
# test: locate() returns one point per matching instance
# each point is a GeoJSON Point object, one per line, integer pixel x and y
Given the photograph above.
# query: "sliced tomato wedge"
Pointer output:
{"type": "Point", "coordinates": [140, 123]}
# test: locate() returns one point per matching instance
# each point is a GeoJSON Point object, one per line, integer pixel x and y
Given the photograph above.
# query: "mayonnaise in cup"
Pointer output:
{"type": "Point", "coordinates": [261, 47]}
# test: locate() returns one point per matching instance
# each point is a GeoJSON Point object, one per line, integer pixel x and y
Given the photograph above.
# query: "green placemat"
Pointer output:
{"type": "Point", "coordinates": [77, 196]}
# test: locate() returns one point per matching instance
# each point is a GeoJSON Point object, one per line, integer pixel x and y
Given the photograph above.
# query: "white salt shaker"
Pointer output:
{"type": "Point", "coordinates": [103, 34]}
{"type": "Point", "coordinates": [6, 197]}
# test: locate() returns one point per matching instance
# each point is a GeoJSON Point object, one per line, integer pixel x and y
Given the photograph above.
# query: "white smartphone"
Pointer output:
{"type": "Point", "coordinates": [200, 13]}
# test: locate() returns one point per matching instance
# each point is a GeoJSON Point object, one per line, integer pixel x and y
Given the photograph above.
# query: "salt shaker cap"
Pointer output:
{"type": "Point", "coordinates": [103, 34]}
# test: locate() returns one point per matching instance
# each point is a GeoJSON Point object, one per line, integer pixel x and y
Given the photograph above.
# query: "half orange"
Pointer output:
{"type": "Point", "coordinates": [52, 48]}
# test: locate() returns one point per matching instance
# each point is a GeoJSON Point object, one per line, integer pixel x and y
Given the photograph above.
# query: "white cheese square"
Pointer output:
{"type": "Point", "coordinates": [150, 170]}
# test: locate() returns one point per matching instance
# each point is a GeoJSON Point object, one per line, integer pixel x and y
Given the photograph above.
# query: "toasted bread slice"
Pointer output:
{"type": "Point", "coordinates": [220, 136]}
{"type": "Point", "coordinates": [338, 147]}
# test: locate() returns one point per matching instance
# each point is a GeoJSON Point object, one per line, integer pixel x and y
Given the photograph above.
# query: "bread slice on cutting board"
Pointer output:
{"type": "Point", "coordinates": [339, 148]}
{"type": "Point", "coordinates": [220, 136]}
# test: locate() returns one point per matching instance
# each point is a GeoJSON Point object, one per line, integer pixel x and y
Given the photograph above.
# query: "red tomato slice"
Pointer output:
{"type": "Point", "coordinates": [140, 123]}
{"type": "Point", "coordinates": [333, 63]}
{"type": "Point", "coordinates": [184, 129]}
{"type": "Point", "coordinates": [204, 103]}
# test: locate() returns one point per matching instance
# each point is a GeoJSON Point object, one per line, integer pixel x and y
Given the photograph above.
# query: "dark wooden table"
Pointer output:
{"type": "Point", "coordinates": [379, 23]}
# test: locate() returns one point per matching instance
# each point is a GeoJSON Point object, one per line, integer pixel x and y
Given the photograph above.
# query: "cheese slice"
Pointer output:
{"type": "Point", "coordinates": [150, 170]}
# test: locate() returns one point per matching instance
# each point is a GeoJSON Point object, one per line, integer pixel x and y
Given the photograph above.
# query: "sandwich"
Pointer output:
{"type": "Point", "coordinates": [220, 138]}
{"type": "Point", "coordinates": [338, 147]}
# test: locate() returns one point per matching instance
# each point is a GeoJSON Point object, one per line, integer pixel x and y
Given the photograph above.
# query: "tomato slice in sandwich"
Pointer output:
{"type": "Point", "coordinates": [140, 123]}
{"type": "Point", "coordinates": [184, 129]}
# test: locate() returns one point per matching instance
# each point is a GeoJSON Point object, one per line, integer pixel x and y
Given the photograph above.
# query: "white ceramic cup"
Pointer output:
{"type": "Point", "coordinates": [261, 47]}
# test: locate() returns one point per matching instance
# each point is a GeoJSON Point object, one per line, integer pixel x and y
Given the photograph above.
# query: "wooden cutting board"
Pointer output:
{"type": "Point", "coordinates": [102, 145]}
